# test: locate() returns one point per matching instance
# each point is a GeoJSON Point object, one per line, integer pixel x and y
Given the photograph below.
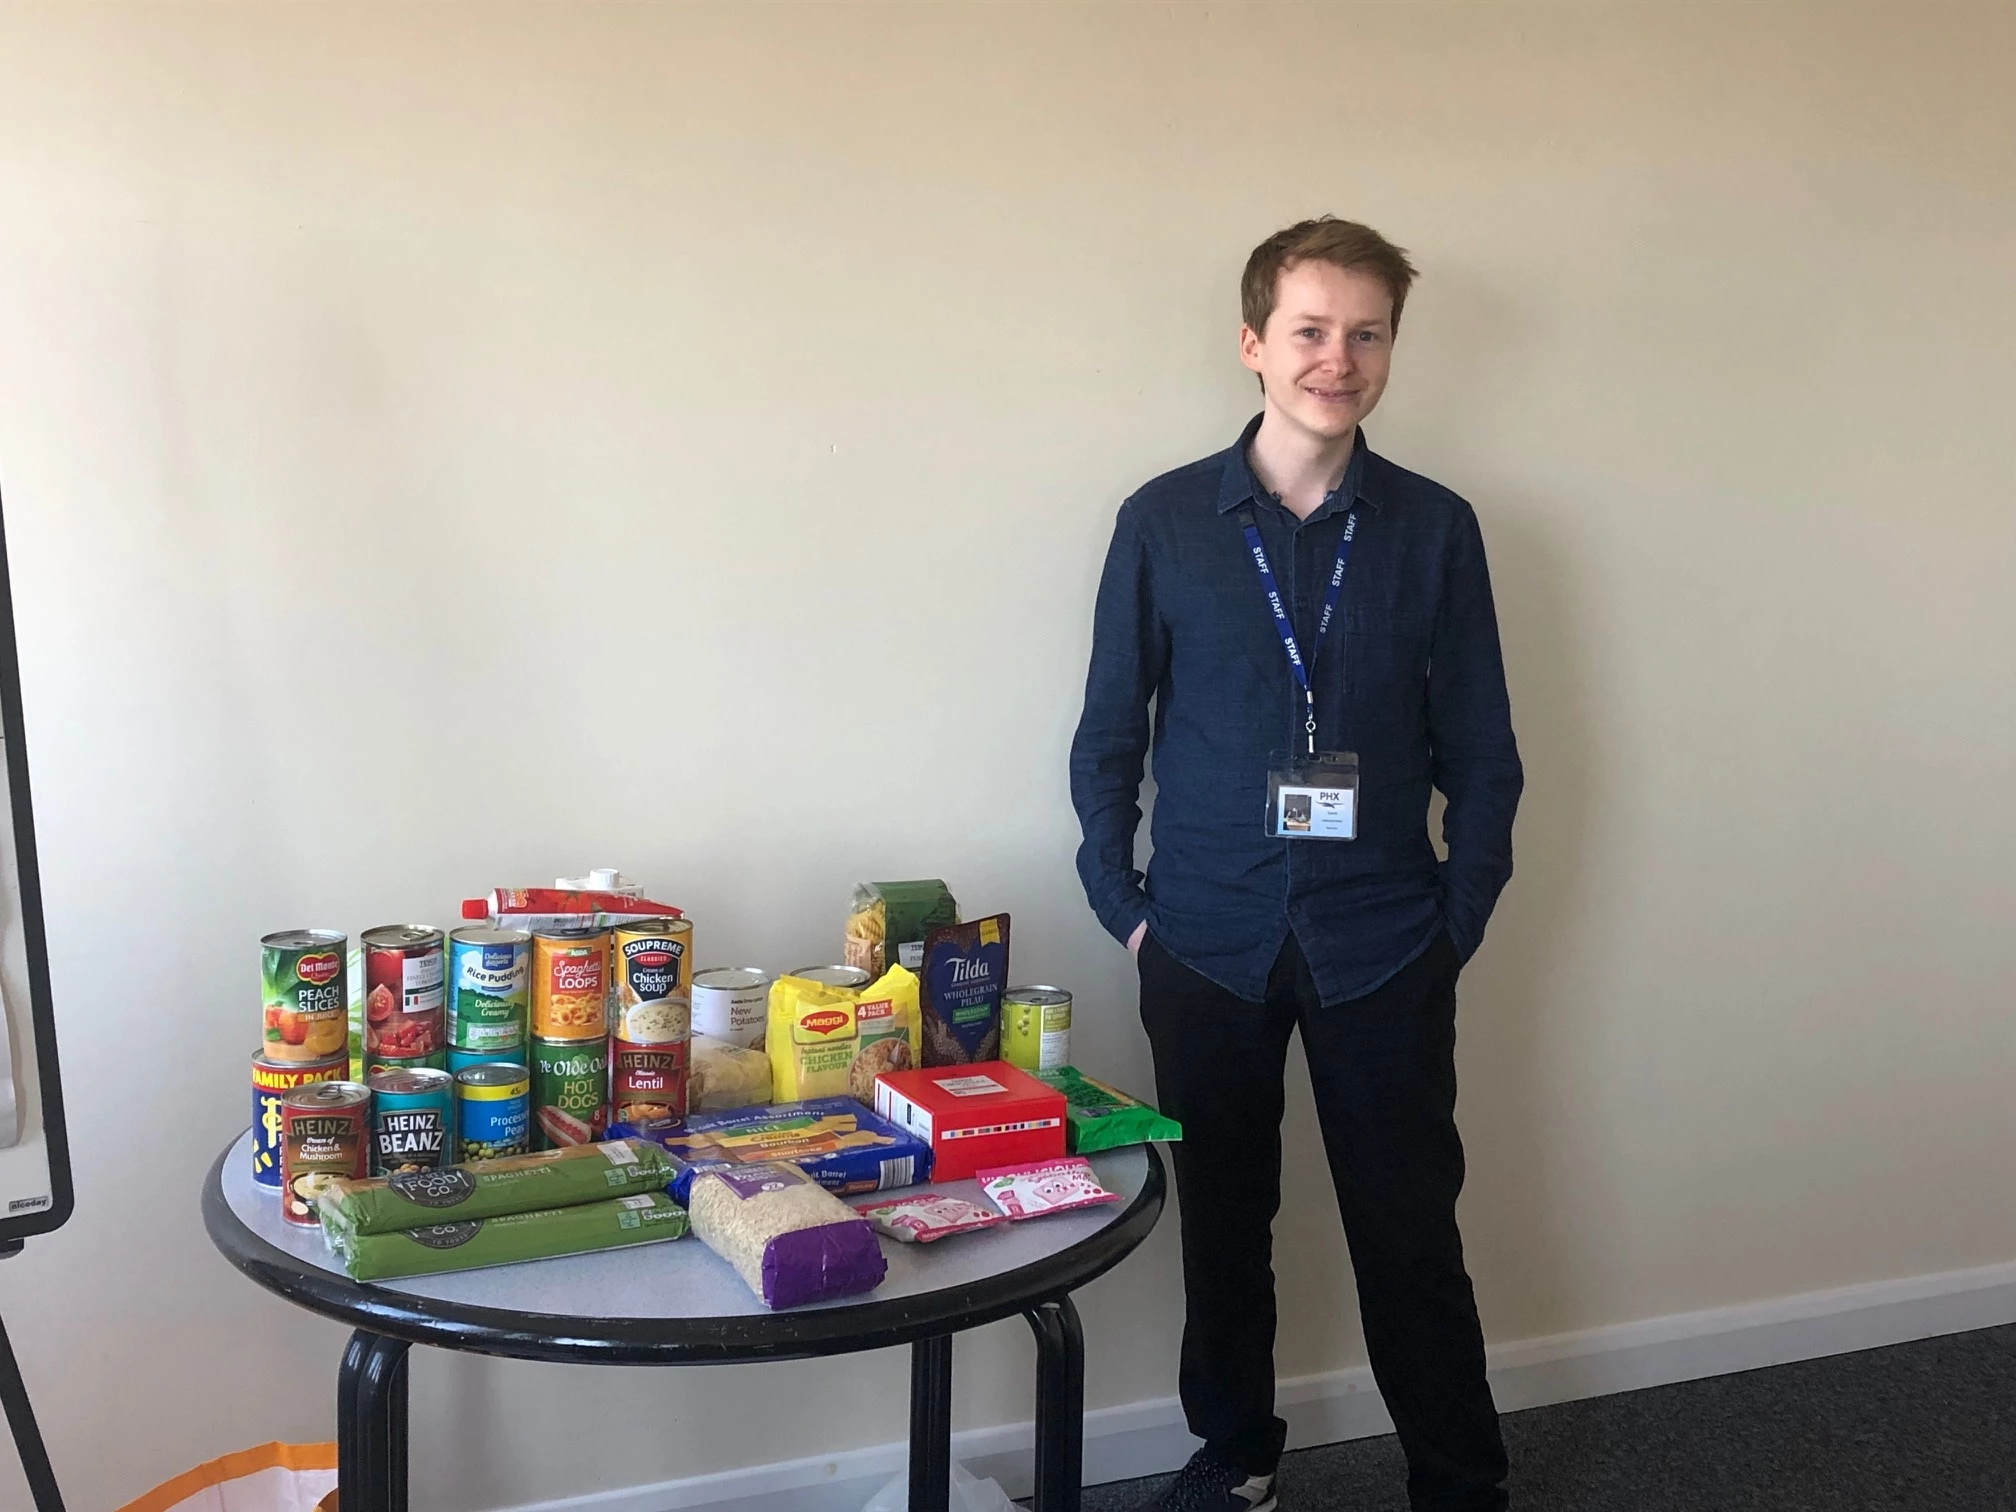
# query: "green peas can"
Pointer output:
{"type": "Point", "coordinates": [493, 1110]}
{"type": "Point", "coordinates": [570, 1091]}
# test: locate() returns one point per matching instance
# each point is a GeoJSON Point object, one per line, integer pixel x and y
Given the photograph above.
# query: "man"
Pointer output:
{"type": "Point", "coordinates": [1314, 627]}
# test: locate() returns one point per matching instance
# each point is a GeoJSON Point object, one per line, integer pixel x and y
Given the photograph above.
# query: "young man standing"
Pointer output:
{"type": "Point", "coordinates": [1314, 627]}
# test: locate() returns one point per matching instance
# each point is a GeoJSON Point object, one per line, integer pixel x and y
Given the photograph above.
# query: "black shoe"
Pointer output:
{"type": "Point", "coordinates": [1211, 1484]}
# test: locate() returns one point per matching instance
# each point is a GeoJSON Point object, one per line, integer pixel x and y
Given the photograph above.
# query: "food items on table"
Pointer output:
{"type": "Point", "coordinates": [570, 984]}
{"type": "Point", "coordinates": [732, 1004]}
{"type": "Point", "coordinates": [271, 1082]}
{"type": "Point", "coordinates": [836, 1141]}
{"type": "Point", "coordinates": [965, 975]}
{"type": "Point", "coordinates": [973, 1116]}
{"type": "Point", "coordinates": [473, 1243]}
{"type": "Point", "coordinates": [1098, 1117]}
{"type": "Point", "coordinates": [839, 978]}
{"type": "Point", "coordinates": [816, 1039]}
{"type": "Point", "coordinates": [888, 1032]}
{"type": "Point", "coordinates": [489, 989]}
{"type": "Point", "coordinates": [404, 1017]}
{"type": "Point", "coordinates": [885, 916]}
{"type": "Point", "coordinates": [722, 1075]}
{"type": "Point", "coordinates": [325, 1132]}
{"type": "Point", "coordinates": [491, 1188]}
{"type": "Point", "coordinates": [1041, 1188]}
{"type": "Point", "coordinates": [649, 960]}
{"type": "Point", "coordinates": [648, 1083]}
{"type": "Point", "coordinates": [1036, 1027]}
{"type": "Point", "coordinates": [412, 1120]}
{"type": "Point", "coordinates": [790, 1239]}
{"type": "Point", "coordinates": [305, 987]}
{"type": "Point", "coordinates": [570, 1091]}
{"type": "Point", "coordinates": [922, 1217]}
{"type": "Point", "coordinates": [493, 1111]}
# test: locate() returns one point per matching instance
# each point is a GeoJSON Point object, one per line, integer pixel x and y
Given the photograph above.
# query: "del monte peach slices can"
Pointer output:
{"type": "Point", "coordinates": [305, 982]}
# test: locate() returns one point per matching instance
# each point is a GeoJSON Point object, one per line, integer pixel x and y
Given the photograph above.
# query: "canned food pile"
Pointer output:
{"type": "Point", "coordinates": [561, 1018]}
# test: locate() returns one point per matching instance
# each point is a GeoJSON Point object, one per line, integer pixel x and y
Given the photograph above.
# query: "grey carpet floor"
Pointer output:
{"type": "Point", "coordinates": [1922, 1427]}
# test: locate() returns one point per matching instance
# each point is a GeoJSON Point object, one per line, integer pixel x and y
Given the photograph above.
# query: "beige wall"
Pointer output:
{"type": "Point", "coordinates": [609, 405]}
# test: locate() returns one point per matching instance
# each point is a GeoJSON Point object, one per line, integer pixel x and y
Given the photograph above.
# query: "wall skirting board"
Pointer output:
{"type": "Point", "coordinates": [1148, 1438]}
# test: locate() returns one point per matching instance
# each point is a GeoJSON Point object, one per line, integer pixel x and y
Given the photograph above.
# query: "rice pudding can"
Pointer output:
{"type": "Point", "coordinates": [489, 988]}
{"type": "Point", "coordinates": [570, 984]}
{"type": "Point", "coordinates": [403, 993]}
{"type": "Point", "coordinates": [271, 1082]}
{"type": "Point", "coordinates": [412, 1121]}
{"type": "Point", "coordinates": [325, 1132]}
{"type": "Point", "coordinates": [1036, 1028]}
{"type": "Point", "coordinates": [305, 986]}
{"type": "Point", "coordinates": [647, 1083]}
{"type": "Point", "coordinates": [493, 1111]}
{"type": "Point", "coordinates": [570, 1092]}
{"type": "Point", "coordinates": [732, 1003]}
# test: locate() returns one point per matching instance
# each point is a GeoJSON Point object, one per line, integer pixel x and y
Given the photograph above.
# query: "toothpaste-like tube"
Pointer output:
{"type": "Point", "coordinates": [561, 907]}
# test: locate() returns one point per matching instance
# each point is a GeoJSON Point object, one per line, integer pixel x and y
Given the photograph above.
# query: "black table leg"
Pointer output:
{"type": "Point", "coordinates": [1060, 1406]}
{"type": "Point", "coordinates": [349, 1446]}
{"type": "Point", "coordinates": [930, 1425]}
{"type": "Point", "coordinates": [371, 1425]}
{"type": "Point", "coordinates": [396, 1426]}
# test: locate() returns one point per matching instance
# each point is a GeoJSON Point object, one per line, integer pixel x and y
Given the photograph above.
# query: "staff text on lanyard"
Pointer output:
{"type": "Point", "coordinates": [1284, 626]}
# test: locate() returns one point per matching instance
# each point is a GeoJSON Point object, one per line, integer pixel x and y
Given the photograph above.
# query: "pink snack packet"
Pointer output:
{"type": "Point", "coordinates": [926, 1216]}
{"type": "Point", "coordinates": [1044, 1187]}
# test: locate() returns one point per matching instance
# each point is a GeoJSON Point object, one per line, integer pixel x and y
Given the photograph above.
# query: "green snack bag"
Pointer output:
{"type": "Point", "coordinates": [492, 1188]}
{"type": "Point", "coordinates": [470, 1244]}
{"type": "Point", "coordinates": [1099, 1117]}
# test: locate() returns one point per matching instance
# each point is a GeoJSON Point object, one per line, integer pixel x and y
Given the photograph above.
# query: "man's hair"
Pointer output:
{"type": "Point", "coordinates": [1344, 244]}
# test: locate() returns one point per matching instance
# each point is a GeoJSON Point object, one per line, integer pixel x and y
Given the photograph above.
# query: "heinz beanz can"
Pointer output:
{"type": "Point", "coordinates": [325, 1131]}
{"type": "Point", "coordinates": [403, 1017]}
{"type": "Point", "coordinates": [570, 984]}
{"type": "Point", "coordinates": [1036, 1028]}
{"type": "Point", "coordinates": [732, 1003]}
{"type": "Point", "coordinates": [570, 1092]}
{"type": "Point", "coordinates": [493, 1111]}
{"type": "Point", "coordinates": [305, 986]}
{"type": "Point", "coordinates": [489, 987]}
{"type": "Point", "coordinates": [271, 1082]}
{"type": "Point", "coordinates": [412, 1121]}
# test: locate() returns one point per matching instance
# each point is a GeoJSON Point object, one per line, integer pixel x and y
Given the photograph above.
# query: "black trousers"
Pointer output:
{"type": "Point", "coordinates": [1384, 1073]}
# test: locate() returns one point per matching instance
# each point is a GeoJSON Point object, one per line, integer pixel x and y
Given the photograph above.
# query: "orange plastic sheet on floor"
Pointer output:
{"type": "Point", "coordinates": [270, 1478]}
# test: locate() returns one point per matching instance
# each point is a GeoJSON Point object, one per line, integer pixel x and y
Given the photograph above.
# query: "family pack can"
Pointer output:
{"type": "Point", "coordinates": [732, 1003]}
{"type": "Point", "coordinates": [647, 1083]}
{"type": "Point", "coordinates": [570, 984]}
{"type": "Point", "coordinates": [570, 1092]}
{"type": "Point", "coordinates": [271, 1082]}
{"type": "Point", "coordinates": [493, 1111]}
{"type": "Point", "coordinates": [412, 1121]}
{"type": "Point", "coordinates": [489, 988]}
{"type": "Point", "coordinates": [651, 958]}
{"type": "Point", "coordinates": [305, 986]}
{"type": "Point", "coordinates": [846, 978]}
{"type": "Point", "coordinates": [403, 994]}
{"type": "Point", "coordinates": [325, 1131]}
{"type": "Point", "coordinates": [1036, 1028]}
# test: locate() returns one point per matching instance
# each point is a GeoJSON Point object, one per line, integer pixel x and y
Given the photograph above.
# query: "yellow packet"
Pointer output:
{"type": "Point", "coordinates": [889, 1031]}
{"type": "Point", "coordinates": [829, 1042]}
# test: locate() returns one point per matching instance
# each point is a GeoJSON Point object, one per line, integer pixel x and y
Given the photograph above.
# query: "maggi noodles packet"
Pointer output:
{"type": "Point", "coordinates": [830, 1042]}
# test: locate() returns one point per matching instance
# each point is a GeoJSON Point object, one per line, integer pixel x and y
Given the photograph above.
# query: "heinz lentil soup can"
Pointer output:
{"type": "Point", "coordinates": [570, 1091]}
{"type": "Point", "coordinates": [271, 1082]}
{"type": "Point", "coordinates": [325, 1132]}
{"type": "Point", "coordinates": [412, 1121]}
{"type": "Point", "coordinates": [570, 984]}
{"type": "Point", "coordinates": [306, 988]}
{"type": "Point", "coordinates": [489, 988]}
{"type": "Point", "coordinates": [493, 1111]}
{"type": "Point", "coordinates": [403, 1018]}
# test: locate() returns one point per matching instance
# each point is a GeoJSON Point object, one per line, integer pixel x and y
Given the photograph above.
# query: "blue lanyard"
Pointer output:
{"type": "Point", "coordinates": [1286, 627]}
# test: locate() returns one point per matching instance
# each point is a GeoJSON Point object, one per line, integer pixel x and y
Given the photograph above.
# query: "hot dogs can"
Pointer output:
{"type": "Point", "coordinates": [647, 1083]}
{"type": "Point", "coordinates": [732, 1003]}
{"type": "Point", "coordinates": [570, 1092]}
{"type": "Point", "coordinates": [325, 1131]}
{"type": "Point", "coordinates": [306, 989]}
{"type": "Point", "coordinates": [570, 984]}
{"type": "Point", "coordinates": [412, 1121]}
{"type": "Point", "coordinates": [493, 1111]}
{"type": "Point", "coordinates": [651, 958]}
{"type": "Point", "coordinates": [271, 1082]}
{"type": "Point", "coordinates": [846, 978]}
{"type": "Point", "coordinates": [489, 986]}
{"type": "Point", "coordinates": [403, 1016]}
{"type": "Point", "coordinates": [1036, 1028]}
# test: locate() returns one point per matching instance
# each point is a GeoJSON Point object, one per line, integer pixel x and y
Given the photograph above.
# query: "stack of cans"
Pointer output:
{"type": "Point", "coordinates": [650, 1037]}
{"type": "Point", "coordinates": [489, 989]}
{"type": "Point", "coordinates": [305, 985]}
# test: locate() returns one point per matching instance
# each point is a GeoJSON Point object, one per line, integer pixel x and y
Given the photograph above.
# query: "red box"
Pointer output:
{"type": "Point", "coordinates": [990, 1114]}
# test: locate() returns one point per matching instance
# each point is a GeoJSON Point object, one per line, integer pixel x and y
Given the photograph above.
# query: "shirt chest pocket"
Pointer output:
{"type": "Point", "coordinates": [1386, 663]}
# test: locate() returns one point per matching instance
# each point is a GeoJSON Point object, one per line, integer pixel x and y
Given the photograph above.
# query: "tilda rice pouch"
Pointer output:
{"type": "Point", "coordinates": [965, 975]}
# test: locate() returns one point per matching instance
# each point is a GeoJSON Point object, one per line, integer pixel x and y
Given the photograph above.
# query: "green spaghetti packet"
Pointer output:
{"type": "Point", "coordinates": [493, 1188]}
{"type": "Point", "coordinates": [471, 1244]}
{"type": "Point", "coordinates": [1098, 1117]}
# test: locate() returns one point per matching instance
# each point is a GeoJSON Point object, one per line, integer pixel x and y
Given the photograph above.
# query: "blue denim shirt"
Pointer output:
{"type": "Point", "coordinates": [1410, 677]}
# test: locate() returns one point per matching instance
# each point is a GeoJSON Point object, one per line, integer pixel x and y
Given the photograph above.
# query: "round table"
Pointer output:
{"type": "Point", "coordinates": [678, 1303]}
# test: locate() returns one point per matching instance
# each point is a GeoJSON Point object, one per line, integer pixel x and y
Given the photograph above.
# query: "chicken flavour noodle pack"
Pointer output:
{"type": "Point", "coordinates": [833, 1042]}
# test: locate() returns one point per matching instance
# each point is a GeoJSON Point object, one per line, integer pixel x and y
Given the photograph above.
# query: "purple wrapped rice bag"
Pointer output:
{"type": "Point", "coordinates": [789, 1238]}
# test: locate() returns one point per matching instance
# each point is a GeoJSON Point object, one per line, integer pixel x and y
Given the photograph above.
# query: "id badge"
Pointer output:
{"type": "Point", "coordinates": [1313, 797]}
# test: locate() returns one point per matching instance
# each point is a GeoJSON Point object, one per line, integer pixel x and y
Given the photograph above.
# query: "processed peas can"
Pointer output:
{"type": "Point", "coordinates": [570, 1092]}
{"type": "Point", "coordinates": [271, 1082]}
{"type": "Point", "coordinates": [306, 990]}
{"type": "Point", "coordinates": [570, 984]}
{"type": "Point", "coordinates": [325, 1131]}
{"type": "Point", "coordinates": [732, 1003]}
{"type": "Point", "coordinates": [403, 1018]}
{"type": "Point", "coordinates": [1036, 1028]}
{"type": "Point", "coordinates": [489, 986]}
{"type": "Point", "coordinates": [647, 1083]}
{"type": "Point", "coordinates": [412, 1121]}
{"type": "Point", "coordinates": [493, 1111]}
{"type": "Point", "coordinates": [846, 978]}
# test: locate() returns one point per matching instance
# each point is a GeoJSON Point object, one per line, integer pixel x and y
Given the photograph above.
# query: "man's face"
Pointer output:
{"type": "Point", "coordinates": [1324, 356]}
